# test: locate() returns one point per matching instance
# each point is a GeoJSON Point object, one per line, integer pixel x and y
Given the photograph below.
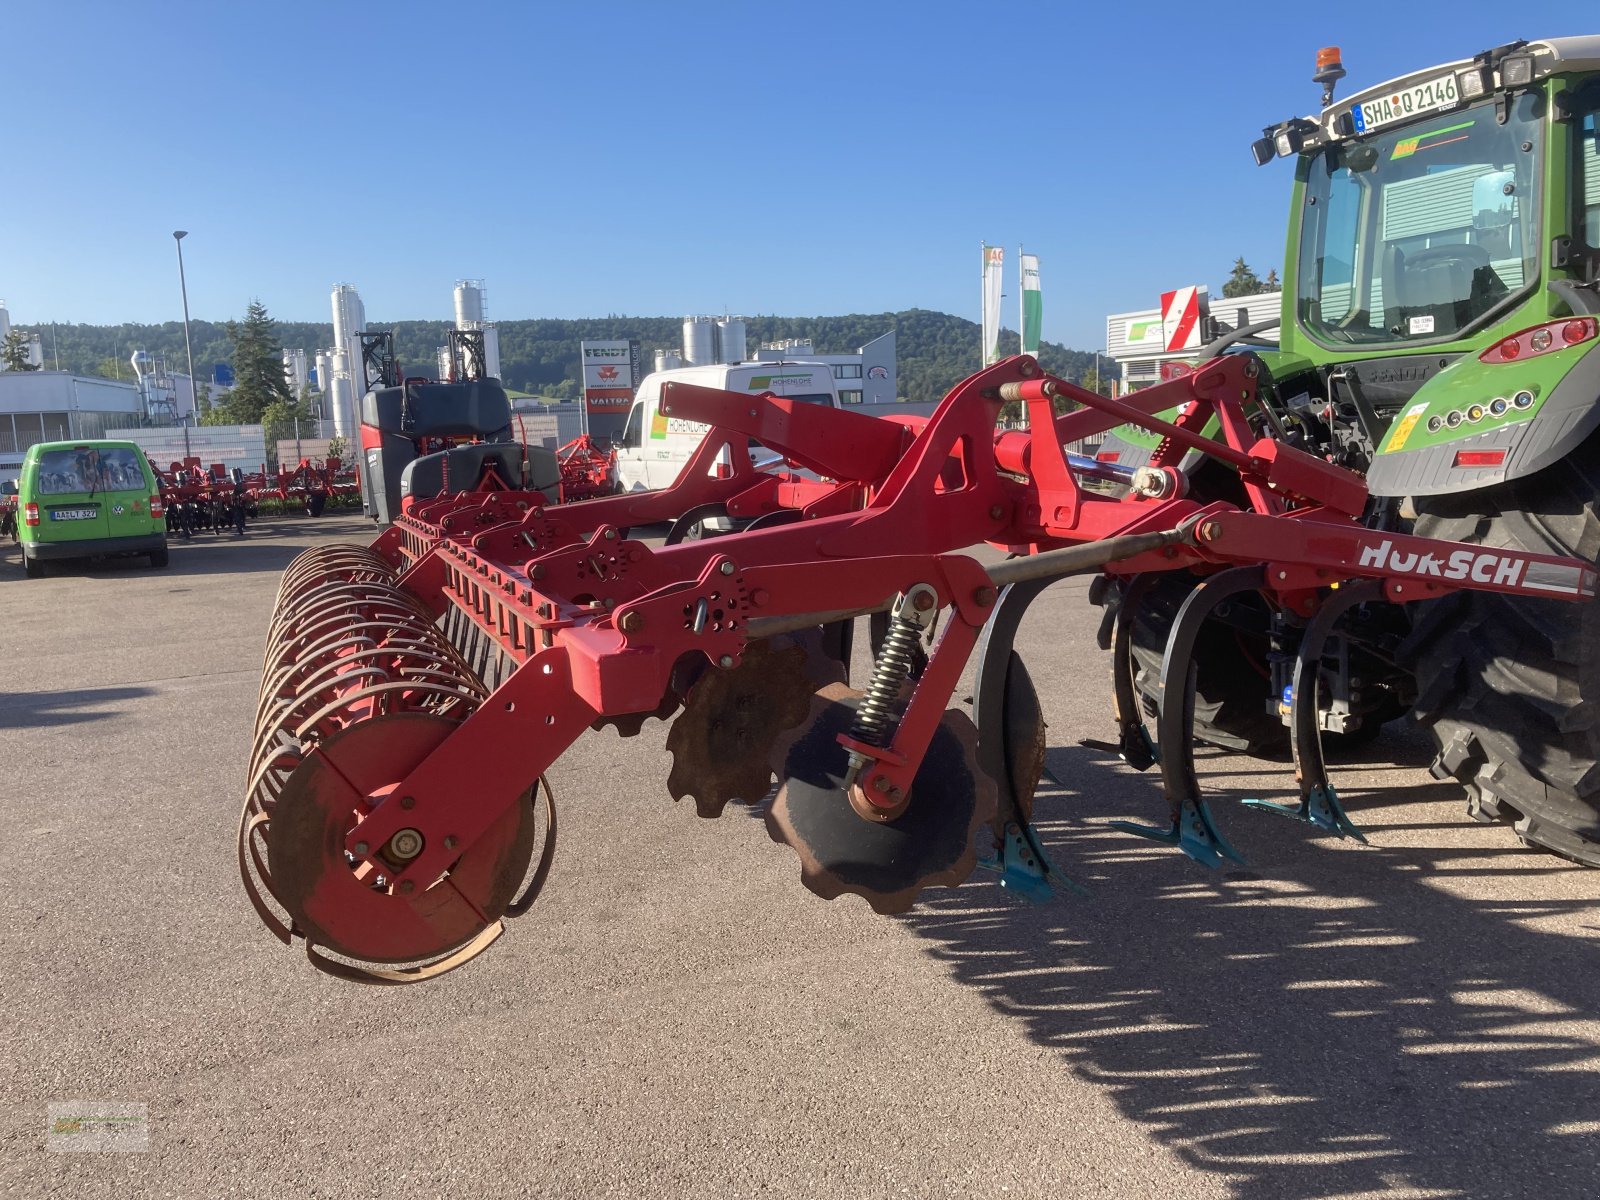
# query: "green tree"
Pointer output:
{"type": "Point", "coordinates": [14, 352]}
{"type": "Point", "coordinates": [259, 380]}
{"type": "Point", "coordinates": [1243, 281]}
{"type": "Point", "coordinates": [1272, 283]}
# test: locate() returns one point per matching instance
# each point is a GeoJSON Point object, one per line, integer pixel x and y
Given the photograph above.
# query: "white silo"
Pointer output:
{"type": "Point", "coordinates": [472, 312]}
{"type": "Point", "coordinates": [294, 372]}
{"type": "Point", "coordinates": [666, 360]}
{"type": "Point", "coordinates": [731, 341]}
{"type": "Point", "coordinates": [5, 323]}
{"type": "Point", "coordinates": [469, 303]}
{"type": "Point", "coordinates": [349, 319]}
{"type": "Point", "coordinates": [343, 399]}
{"type": "Point", "coordinates": [699, 341]}
{"type": "Point", "coordinates": [324, 367]}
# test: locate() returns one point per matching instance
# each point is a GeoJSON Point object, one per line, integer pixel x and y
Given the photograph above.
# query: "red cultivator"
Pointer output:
{"type": "Point", "coordinates": [416, 692]}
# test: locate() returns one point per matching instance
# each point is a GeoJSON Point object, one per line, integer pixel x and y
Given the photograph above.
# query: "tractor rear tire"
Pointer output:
{"type": "Point", "coordinates": [1510, 686]}
{"type": "Point", "coordinates": [31, 566]}
{"type": "Point", "coordinates": [1232, 692]}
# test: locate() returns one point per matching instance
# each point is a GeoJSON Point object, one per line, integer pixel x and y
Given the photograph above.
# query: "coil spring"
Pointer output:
{"type": "Point", "coordinates": [874, 719]}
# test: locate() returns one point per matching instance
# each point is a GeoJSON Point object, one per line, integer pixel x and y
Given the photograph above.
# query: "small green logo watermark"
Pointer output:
{"type": "Point", "coordinates": [97, 1127]}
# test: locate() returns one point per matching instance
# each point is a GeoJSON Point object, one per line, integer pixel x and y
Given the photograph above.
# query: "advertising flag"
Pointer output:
{"type": "Point", "coordinates": [1032, 309]}
{"type": "Point", "coordinates": [994, 258]}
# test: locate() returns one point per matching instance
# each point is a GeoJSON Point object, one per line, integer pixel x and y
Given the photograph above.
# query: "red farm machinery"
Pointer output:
{"type": "Point", "coordinates": [416, 691]}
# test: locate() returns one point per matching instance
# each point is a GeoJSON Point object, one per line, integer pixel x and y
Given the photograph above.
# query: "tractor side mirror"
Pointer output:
{"type": "Point", "coordinates": [1494, 200]}
{"type": "Point", "coordinates": [8, 488]}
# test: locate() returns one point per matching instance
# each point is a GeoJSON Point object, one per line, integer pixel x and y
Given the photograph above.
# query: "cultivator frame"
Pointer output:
{"type": "Point", "coordinates": [417, 691]}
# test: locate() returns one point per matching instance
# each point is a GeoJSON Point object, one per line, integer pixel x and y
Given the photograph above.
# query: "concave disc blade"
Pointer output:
{"type": "Point", "coordinates": [887, 862]}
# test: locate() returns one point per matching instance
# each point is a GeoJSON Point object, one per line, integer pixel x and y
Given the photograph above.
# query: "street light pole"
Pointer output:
{"type": "Point", "coordinates": [194, 388]}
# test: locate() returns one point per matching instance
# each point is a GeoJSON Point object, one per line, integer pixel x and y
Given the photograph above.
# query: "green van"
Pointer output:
{"type": "Point", "coordinates": [78, 499]}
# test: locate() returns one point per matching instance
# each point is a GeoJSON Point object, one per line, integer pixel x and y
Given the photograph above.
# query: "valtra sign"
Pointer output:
{"type": "Point", "coordinates": [608, 376]}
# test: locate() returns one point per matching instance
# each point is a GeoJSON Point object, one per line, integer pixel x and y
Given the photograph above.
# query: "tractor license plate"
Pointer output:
{"type": "Point", "coordinates": [74, 514]}
{"type": "Point", "coordinates": [1406, 102]}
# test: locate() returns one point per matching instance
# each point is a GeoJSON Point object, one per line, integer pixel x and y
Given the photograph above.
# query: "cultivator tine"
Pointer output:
{"type": "Point", "coordinates": [1011, 749]}
{"type": "Point", "coordinates": [1191, 829]}
{"type": "Point", "coordinates": [1134, 744]}
{"type": "Point", "coordinates": [1319, 803]}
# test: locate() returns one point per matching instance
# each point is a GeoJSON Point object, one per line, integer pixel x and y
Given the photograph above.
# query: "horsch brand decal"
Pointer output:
{"type": "Point", "coordinates": [1479, 566]}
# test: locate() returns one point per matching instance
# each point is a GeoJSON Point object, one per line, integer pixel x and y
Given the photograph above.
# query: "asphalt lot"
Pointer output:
{"type": "Point", "coordinates": [678, 1016]}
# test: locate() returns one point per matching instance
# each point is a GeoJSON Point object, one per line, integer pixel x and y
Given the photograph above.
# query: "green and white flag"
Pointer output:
{"type": "Point", "coordinates": [994, 258]}
{"type": "Point", "coordinates": [1032, 309]}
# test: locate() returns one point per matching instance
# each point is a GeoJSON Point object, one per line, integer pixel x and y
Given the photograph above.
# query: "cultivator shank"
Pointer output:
{"type": "Point", "coordinates": [415, 693]}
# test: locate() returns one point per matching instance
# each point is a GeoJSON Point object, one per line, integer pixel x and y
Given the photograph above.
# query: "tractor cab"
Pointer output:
{"type": "Point", "coordinates": [1441, 268]}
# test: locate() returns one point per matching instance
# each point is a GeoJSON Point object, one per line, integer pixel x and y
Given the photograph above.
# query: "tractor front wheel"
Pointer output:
{"type": "Point", "coordinates": [1510, 686]}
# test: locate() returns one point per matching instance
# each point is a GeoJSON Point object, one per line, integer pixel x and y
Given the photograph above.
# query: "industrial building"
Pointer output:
{"type": "Point", "coordinates": [53, 406]}
{"type": "Point", "coordinates": [867, 376]}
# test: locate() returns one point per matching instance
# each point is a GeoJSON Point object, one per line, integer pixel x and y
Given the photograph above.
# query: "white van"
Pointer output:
{"type": "Point", "coordinates": [654, 447]}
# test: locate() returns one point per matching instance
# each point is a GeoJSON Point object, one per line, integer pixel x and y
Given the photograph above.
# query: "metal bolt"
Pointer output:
{"type": "Point", "coordinates": [1282, 575]}
{"type": "Point", "coordinates": [407, 886]}
{"type": "Point", "coordinates": [727, 568]}
{"type": "Point", "coordinates": [630, 621]}
{"type": "Point", "coordinates": [405, 844]}
{"type": "Point", "coordinates": [362, 849]}
{"type": "Point", "coordinates": [537, 572]}
{"type": "Point", "coordinates": [408, 801]}
{"type": "Point", "coordinates": [985, 596]}
{"type": "Point", "coordinates": [922, 601]}
{"type": "Point", "coordinates": [880, 783]}
{"type": "Point", "coordinates": [610, 533]}
{"type": "Point", "coordinates": [1210, 531]}
{"type": "Point", "coordinates": [450, 843]}
{"type": "Point", "coordinates": [997, 512]}
{"type": "Point", "coordinates": [725, 661]}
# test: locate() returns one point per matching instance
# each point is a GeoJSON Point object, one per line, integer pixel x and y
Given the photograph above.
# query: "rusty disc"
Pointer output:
{"type": "Point", "coordinates": [886, 862]}
{"type": "Point", "coordinates": [722, 742]}
{"type": "Point", "coordinates": [344, 909]}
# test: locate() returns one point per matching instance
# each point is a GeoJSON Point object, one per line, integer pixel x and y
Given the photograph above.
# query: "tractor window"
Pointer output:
{"type": "Point", "coordinates": [1589, 180]}
{"type": "Point", "coordinates": [1422, 232]}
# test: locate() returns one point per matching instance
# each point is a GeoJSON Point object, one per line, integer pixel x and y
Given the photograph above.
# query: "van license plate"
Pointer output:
{"type": "Point", "coordinates": [74, 514]}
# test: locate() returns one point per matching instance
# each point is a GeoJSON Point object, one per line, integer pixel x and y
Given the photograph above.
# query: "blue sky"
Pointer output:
{"type": "Point", "coordinates": [664, 158]}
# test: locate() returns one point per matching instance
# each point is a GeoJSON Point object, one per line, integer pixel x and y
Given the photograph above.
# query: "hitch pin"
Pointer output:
{"type": "Point", "coordinates": [701, 609]}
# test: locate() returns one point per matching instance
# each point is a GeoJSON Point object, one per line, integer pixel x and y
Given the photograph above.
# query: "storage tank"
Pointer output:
{"type": "Point", "coordinates": [699, 341]}
{"type": "Point", "coordinates": [731, 332]}
{"type": "Point", "coordinates": [5, 321]}
{"type": "Point", "coordinates": [349, 319]}
{"type": "Point", "coordinates": [342, 396]}
{"type": "Point", "coordinates": [325, 374]}
{"type": "Point", "coordinates": [666, 360]}
{"type": "Point", "coordinates": [469, 303]}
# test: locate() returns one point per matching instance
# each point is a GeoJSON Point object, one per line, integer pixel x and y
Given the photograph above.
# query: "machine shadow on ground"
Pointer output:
{"type": "Point", "coordinates": [1331, 1022]}
{"type": "Point", "coordinates": [35, 710]}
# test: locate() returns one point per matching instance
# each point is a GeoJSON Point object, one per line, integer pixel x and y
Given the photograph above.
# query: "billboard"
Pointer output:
{"type": "Point", "coordinates": [608, 377]}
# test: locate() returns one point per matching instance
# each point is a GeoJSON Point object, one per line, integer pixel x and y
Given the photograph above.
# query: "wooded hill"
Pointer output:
{"type": "Point", "coordinates": [934, 350]}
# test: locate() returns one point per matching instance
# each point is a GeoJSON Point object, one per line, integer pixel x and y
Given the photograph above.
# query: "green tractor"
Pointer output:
{"type": "Point", "coordinates": [1440, 333]}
